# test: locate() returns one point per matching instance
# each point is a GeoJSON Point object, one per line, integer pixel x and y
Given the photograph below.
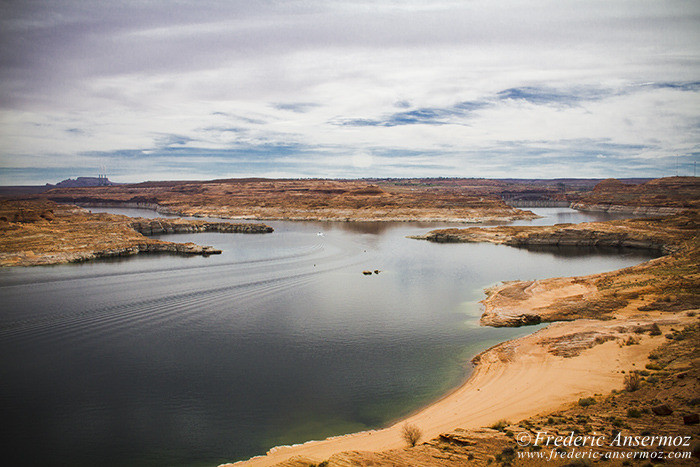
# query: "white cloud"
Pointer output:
{"type": "Point", "coordinates": [76, 81]}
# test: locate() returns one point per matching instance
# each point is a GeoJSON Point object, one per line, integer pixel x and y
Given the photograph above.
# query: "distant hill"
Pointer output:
{"type": "Point", "coordinates": [80, 182]}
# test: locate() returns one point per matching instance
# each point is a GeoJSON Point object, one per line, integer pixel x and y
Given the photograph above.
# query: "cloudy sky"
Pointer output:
{"type": "Point", "coordinates": [180, 89]}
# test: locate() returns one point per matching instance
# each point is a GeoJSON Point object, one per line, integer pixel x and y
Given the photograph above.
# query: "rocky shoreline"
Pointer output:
{"type": "Point", "coordinates": [605, 327]}
{"type": "Point", "coordinates": [664, 235]}
{"type": "Point", "coordinates": [170, 226]}
{"type": "Point", "coordinates": [563, 237]}
{"type": "Point", "coordinates": [623, 209]}
{"type": "Point", "coordinates": [184, 249]}
{"type": "Point", "coordinates": [43, 233]}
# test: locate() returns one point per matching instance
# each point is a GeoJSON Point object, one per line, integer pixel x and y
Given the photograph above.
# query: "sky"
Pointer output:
{"type": "Point", "coordinates": [180, 89]}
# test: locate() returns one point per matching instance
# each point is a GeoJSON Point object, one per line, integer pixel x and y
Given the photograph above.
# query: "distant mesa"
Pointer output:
{"type": "Point", "coordinates": [81, 182]}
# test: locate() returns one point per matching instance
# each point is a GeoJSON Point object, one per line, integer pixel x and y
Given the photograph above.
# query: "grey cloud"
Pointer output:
{"type": "Point", "coordinates": [246, 67]}
{"type": "Point", "coordinates": [297, 107]}
{"type": "Point", "coordinates": [48, 45]}
{"type": "Point", "coordinates": [424, 116]}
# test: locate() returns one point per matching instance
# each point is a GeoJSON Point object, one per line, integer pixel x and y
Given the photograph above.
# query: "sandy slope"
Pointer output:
{"type": "Point", "coordinates": [513, 380]}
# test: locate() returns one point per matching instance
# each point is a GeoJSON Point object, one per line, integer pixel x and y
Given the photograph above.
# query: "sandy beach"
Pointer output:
{"type": "Point", "coordinates": [513, 380]}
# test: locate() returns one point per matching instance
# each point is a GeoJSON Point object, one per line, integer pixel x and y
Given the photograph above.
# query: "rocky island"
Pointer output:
{"type": "Point", "coordinates": [39, 232]}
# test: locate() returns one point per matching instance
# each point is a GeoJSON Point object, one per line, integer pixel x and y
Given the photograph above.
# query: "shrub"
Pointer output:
{"type": "Point", "coordinates": [633, 413]}
{"type": "Point", "coordinates": [632, 381]}
{"type": "Point", "coordinates": [500, 425]}
{"type": "Point", "coordinates": [653, 366]}
{"type": "Point", "coordinates": [586, 401]}
{"type": "Point", "coordinates": [411, 434]}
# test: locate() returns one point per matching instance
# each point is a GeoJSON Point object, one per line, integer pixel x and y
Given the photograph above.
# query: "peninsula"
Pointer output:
{"type": "Point", "coordinates": [39, 232]}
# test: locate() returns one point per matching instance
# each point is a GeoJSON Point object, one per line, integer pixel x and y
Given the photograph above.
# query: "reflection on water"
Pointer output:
{"type": "Point", "coordinates": [584, 251]}
{"type": "Point", "coordinates": [165, 360]}
{"type": "Point", "coordinates": [131, 212]}
{"type": "Point", "coordinates": [551, 216]}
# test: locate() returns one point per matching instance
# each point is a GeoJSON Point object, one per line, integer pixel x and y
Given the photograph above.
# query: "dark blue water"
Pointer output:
{"type": "Point", "coordinates": [167, 360]}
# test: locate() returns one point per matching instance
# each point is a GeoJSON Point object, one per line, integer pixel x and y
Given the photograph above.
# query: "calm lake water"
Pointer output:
{"type": "Point", "coordinates": [167, 360]}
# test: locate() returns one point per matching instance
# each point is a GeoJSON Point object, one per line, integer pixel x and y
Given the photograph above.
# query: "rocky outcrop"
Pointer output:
{"type": "Point", "coordinates": [169, 226]}
{"type": "Point", "coordinates": [42, 232]}
{"type": "Point", "coordinates": [587, 238]}
{"type": "Point", "coordinates": [622, 209]}
{"type": "Point", "coordinates": [522, 303]}
{"type": "Point", "coordinates": [663, 234]}
{"type": "Point", "coordinates": [135, 203]}
{"type": "Point", "coordinates": [561, 237]}
{"type": "Point", "coordinates": [164, 247]}
{"type": "Point", "coordinates": [30, 258]}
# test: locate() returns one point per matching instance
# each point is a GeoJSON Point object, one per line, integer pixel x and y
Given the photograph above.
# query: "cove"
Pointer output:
{"type": "Point", "coordinates": [162, 360]}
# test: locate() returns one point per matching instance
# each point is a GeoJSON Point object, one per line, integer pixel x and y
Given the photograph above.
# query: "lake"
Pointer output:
{"type": "Point", "coordinates": [169, 360]}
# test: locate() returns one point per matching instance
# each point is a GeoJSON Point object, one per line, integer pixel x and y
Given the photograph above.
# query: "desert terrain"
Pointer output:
{"type": "Point", "coordinates": [621, 354]}
{"type": "Point", "coordinates": [337, 200]}
{"type": "Point", "coordinates": [620, 359]}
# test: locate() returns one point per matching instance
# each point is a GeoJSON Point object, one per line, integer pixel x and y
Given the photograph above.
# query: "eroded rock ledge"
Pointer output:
{"type": "Point", "coordinates": [42, 233]}
{"type": "Point", "coordinates": [32, 259]}
{"type": "Point", "coordinates": [662, 234]}
{"type": "Point", "coordinates": [636, 210]}
{"type": "Point", "coordinates": [168, 226]}
{"type": "Point", "coordinates": [598, 296]}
